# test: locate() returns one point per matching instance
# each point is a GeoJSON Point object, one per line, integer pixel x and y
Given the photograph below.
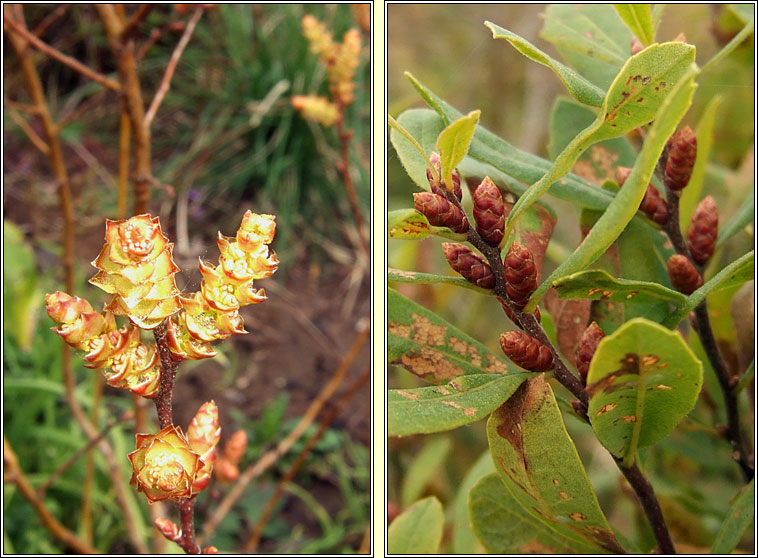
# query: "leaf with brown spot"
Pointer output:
{"type": "Point", "coordinates": [642, 381]}
{"type": "Point", "coordinates": [433, 349]}
{"type": "Point", "coordinates": [437, 408]}
{"type": "Point", "coordinates": [534, 231]}
{"type": "Point", "coordinates": [540, 467]}
{"type": "Point", "coordinates": [570, 319]}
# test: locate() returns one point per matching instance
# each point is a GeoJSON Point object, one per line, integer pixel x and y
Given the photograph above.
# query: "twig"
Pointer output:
{"type": "Point", "coordinates": [37, 141]}
{"type": "Point", "coordinates": [343, 167]}
{"type": "Point", "coordinates": [124, 143]}
{"type": "Point", "coordinates": [81, 451]}
{"type": "Point", "coordinates": [186, 515]}
{"type": "Point", "coordinates": [270, 457]}
{"type": "Point", "coordinates": [171, 67]}
{"type": "Point", "coordinates": [15, 474]}
{"type": "Point", "coordinates": [133, 24]}
{"type": "Point", "coordinates": [49, 19]}
{"type": "Point", "coordinates": [168, 373]}
{"type": "Point", "coordinates": [58, 55]}
{"type": "Point", "coordinates": [326, 420]}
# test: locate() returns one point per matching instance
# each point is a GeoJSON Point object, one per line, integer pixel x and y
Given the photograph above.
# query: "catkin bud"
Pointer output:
{"type": "Point", "coordinates": [704, 228]}
{"type": "Point", "coordinates": [682, 153]}
{"type": "Point", "coordinates": [470, 265]}
{"type": "Point", "coordinates": [489, 212]}
{"type": "Point", "coordinates": [684, 277]}
{"type": "Point", "coordinates": [168, 529]}
{"type": "Point", "coordinates": [526, 351]}
{"type": "Point", "coordinates": [440, 212]}
{"type": "Point", "coordinates": [586, 349]}
{"type": "Point", "coordinates": [439, 187]}
{"type": "Point", "coordinates": [520, 274]}
{"type": "Point", "coordinates": [652, 205]}
{"type": "Point", "coordinates": [512, 315]}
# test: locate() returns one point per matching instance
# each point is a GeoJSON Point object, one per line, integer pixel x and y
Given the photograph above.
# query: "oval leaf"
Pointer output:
{"type": "Point", "coordinates": [642, 381]}
{"type": "Point", "coordinates": [417, 277]}
{"type": "Point", "coordinates": [431, 348]}
{"type": "Point", "coordinates": [540, 467]}
{"type": "Point", "coordinates": [503, 526]}
{"type": "Point", "coordinates": [418, 530]}
{"type": "Point", "coordinates": [638, 20]}
{"type": "Point", "coordinates": [425, 467]}
{"type": "Point", "coordinates": [463, 540]}
{"type": "Point", "coordinates": [596, 284]}
{"type": "Point", "coordinates": [437, 408]}
{"type": "Point", "coordinates": [453, 143]}
{"type": "Point", "coordinates": [633, 100]}
{"type": "Point", "coordinates": [425, 127]}
{"type": "Point", "coordinates": [737, 520]}
{"type": "Point", "coordinates": [580, 88]}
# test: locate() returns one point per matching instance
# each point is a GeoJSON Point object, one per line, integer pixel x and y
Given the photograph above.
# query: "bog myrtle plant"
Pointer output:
{"type": "Point", "coordinates": [622, 347]}
{"type": "Point", "coordinates": [136, 267]}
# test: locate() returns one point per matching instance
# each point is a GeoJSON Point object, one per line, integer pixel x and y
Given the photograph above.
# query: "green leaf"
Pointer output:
{"type": "Point", "coordinates": [437, 408]}
{"type": "Point", "coordinates": [409, 224]}
{"type": "Point", "coordinates": [642, 381]}
{"type": "Point", "coordinates": [741, 219]}
{"type": "Point", "coordinates": [540, 467]}
{"type": "Point", "coordinates": [635, 96]}
{"type": "Point", "coordinates": [433, 349]}
{"type": "Point", "coordinates": [417, 277]}
{"type": "Point", "coordinates": [738, 272]}
{"type": "Point", "coordinates": [424, 468]}
{"type": "Point", "coordinates": [612, 223]}
{"type": "Point", "coordinates": [453, 143]}
{"type": "Point", "coordinates": [596, 284]}
{"type": "Point", "coordinates": [463, 540]}
{"type": "Point", "coordinates": [737, 520]}
{"type": "Point", "coordinates": [425, 127]}
{"type": "Point", "coordinates": [580, 88]}
{"type": "Point", "coordinates": [591, 38]}
{"type": "Point", "coordinates": [704, 133]}
{"type": "Point", "coordinates": [638, 20]}
{"type": "Point", "coordinates": [418, 530]}
{"type": "Point", "coordinates": [503, 526]}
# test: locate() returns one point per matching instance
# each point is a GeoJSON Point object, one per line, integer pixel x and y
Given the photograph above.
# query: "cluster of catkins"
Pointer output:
{"type": "Point", "coordinates": [136, 266]}
{"type": "Point", "coordinates": [685, 270]}
{"type": "Point", "coordinates": [341, 61]}
{"type": "Point", "coordinates": [521, 277]}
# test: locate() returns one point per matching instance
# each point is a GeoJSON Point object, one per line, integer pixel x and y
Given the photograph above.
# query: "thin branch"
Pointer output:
{"type": "Point", "coordinates": [132, 25]}
{"type": "Point", "coordinates": [171, 67]}
{"type": "Point", "coordinates": [186, 515]}
{"type": "Point", "coordinates": [16, 475]}
{"type": "Point", "coordinates": [272, 456]}
{"type": "Point", "coordinates": [327, 419]}
{"type": "Point", "coordinates": [168, 373]}
{"type": "Point", "coordinates": [49, 19]}
{"type": "Point", "coordinates": [37, 141]}
{"type": "Point", "coordinates": [343, 167]}
{"type": "Point", "coordinates": [58, 55]}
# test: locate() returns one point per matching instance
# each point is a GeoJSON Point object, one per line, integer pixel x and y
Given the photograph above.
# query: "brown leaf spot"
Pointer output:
{"type": "Point", "coordinates": [662, 387]}
{"type": "Point", "coordinates": [495, 366]}
{"type": "Point", "coordinates": [593, 292]}
{"type": "Point", "coordinates": [555, 482]}
{"type": "Point", "coordinates": [649, 360]}
{"type": "Point", "coordinates": [607, 408]}
{"type": "Point", "coordinates": [576, 516]}
{"type": "Point", "coordinates": [466, 349]}
{"type": "Point", "coordinates": [408, 395]}
{"type": "Point", "coordinates": [536, 547]}
{"type": "Point", "coordinates": [469, 411]}
{"type": "Point", "coordinates": [443, 390]}
{"type": "Point", "coordinates": [428, 363]}
{"type": "Point", "coordinates": [631, 295]}
{"type": "Point", "coordinates": [455, 385]}
{"type": "Point", "coordinates": [426, 333]}
{"type": "Point", "coordinates": [629, 418]}
{"type": "Point", "coordinates": [510, 415]}
{"type": "Point", "coordinates": [401, 330]}
{"type": "Point", "coordinates": [570, 318]}
{"type": "Point", "coordinates": [452, 404]}
{"type": "Point", "coordinates": [563, 495]}
{"type": "Point", "coordinates": [402, 273]}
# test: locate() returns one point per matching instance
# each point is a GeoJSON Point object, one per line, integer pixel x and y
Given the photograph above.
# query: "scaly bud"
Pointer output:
{"type": "Point", "coordinates": [489, 212]}
{"type": "Point", "coordinates": [168, 529]}
{"type": "Point", "coordinates": [439, 187]}
{"type": "Point", "coordinates": [586, 349]}
{"type": "Point", "coordinates": [520, 274]}
{"type": "Point", "coordinates": [526, 351]}
{"type": "Point", "coordinates": [704, 228]}
{"type": "Point", "coordinates": [210, 550]}
{"type": "Point", "coordinates": [652, 205]}
{"type": "Point", "coordinates": [203, 435]}
{"type": "Point", "coordinates": [235, 447]}
{"type": "Point", "coordinates": [470, 265]}
{"type": "Point", "coordinates": [682, 153]}
{"type": "Point", "coordinates": [684, 277]}
{"type": "Point", "coordinates": [225, 471]}
{"type": "Point", "coordinates": [440, 212]}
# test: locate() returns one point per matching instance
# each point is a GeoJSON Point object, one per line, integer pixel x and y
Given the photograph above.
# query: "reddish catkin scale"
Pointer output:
{"type": "Point", "coordinates": [681, 159]}
{"type": "Point", "coordinates": [652, 205]}
{"type": "Point", "coordinates": [440, 212]}
{"type": "Point", "coordinates": [469, 264]}
{"type": "Point", "coordinates": [684, 277]}
{"type": "Point", "coordinates": [438, 187]}
{"type": "Point", "coordinates": [526, 351]}
{"type": "Point", "coordinates": [489, 212]}
{"type": "Point", "coordinates": [704, 228]}
{"type": "Point", "coordinates": [586, 349]}
{"type": "Point", "coordinates": [520, 274]}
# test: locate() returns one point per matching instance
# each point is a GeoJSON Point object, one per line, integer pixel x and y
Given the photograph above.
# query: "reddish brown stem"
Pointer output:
{"type": "Point", "coordinates": [344, 169]}
{"type": "Point", "coordinates": [133, 24]}
{"type": "Point", "coordinates": [186, 518]}
{"type": "Point", "coordinates": [168, 374]}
